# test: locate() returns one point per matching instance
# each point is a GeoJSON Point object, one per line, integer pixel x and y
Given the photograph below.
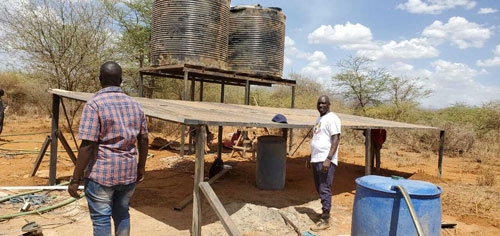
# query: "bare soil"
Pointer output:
{"type": "Point", "coordinates": [169, 179]}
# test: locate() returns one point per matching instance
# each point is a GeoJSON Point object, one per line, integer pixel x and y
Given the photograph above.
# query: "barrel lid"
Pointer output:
{"type": "Point", "coordinates": [387, 184]}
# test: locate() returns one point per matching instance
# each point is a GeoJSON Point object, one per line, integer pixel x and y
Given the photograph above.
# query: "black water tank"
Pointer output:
{"type": "Point", "coordinates": [190, 31]}
{"type": "Point", "coordinates": [271, 162]}
{"type": "Point", "coordinates": [257, 40]}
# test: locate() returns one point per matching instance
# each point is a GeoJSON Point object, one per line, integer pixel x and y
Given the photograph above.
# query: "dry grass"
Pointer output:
{"type": "Point", "coordinates": [487, 178]}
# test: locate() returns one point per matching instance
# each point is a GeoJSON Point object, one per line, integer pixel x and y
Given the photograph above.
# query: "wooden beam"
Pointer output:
{"type": "Point", "coordinates": [141, 84]}
{"type": "Point", "coordinates": [368, 144]}
{"type": "Point", "coordinates": [39, 159]}
{"type": "Point", "coordinates": [201, 91]}
{"type": "Point", "coordinates": [188, 199]}
{"type": "Point", "coordinates": [186, 77]}
{"type": "Point", "coordinates": [247, 93]}
{"type": "Point", "coordinates": [56, 100]}
{"type": "Point", "coordinates": [441, 150]}
{"type": "Point", "coordinates": [183, 140]}
{"type": "Point", "coordinates": [66, 146]}
{"type": "Point", "coordinates": [221, 128]}
{"type": "Point", "coordinates": [290, 145]}
{"type": "Point", "coordinates": [219, 209]}
{"type": "Point", "coordinates": [198, 178]}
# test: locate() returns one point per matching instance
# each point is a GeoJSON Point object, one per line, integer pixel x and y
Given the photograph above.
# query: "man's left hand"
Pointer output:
{"type": "Point", "coordinates": [326, 166]}
{"type": "Point", "coordinates": [140, 174]}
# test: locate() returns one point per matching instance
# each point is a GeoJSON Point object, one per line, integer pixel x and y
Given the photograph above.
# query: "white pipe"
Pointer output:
{"type": "Point", "coordinates": [39, 188]}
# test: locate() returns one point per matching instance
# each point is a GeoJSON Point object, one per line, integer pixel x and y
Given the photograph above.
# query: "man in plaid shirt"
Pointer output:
{"type": "Point", "coordinates": [111, 124]}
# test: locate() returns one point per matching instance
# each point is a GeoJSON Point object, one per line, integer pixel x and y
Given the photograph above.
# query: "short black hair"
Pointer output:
{"type": "Point", "coordinates": [327, 99]}
{"type": "Point", "coordinates": [1, 92]}
{"type": "Point", "coordinates": [110, 74]}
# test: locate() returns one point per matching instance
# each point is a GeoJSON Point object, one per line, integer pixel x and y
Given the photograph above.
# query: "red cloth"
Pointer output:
{"type": "Point", "coordinates": [378, 136]}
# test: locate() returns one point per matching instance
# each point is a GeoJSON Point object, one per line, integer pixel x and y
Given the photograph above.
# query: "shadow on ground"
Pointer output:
{"type": "Point", "coordinates": [164, 189]}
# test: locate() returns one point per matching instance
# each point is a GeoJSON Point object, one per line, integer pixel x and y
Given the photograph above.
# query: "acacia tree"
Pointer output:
{"type": "Point", "coordinates": [133, 19]}
{"type": "Point", "coordinates": [405, 92]}
{"type": "Point", "coordinates": [360, 82]}
{"type": "Point", "coordinates": [61, 42]}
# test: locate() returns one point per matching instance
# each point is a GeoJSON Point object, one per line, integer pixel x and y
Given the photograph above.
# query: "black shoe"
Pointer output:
{"type": "Point", "coordinates": [321, 225]}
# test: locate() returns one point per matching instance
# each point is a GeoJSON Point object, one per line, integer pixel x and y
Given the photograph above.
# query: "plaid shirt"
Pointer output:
{"type": "Point", "coordinates": [113, 120]}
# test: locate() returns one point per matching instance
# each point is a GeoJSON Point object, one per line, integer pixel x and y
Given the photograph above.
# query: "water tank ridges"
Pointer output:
{"type": "Point", "coordinates": [190, 31]}
{"type": "Point", "coordinates": [256, 40]}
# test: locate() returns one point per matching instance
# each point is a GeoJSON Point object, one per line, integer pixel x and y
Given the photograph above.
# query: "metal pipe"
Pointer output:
{"type": "Point", "coordinates": [413, 214]}
{"type": "Point", "coordinates": [26, 193]}
{"type": "Point", "coordinates": [38, 188]}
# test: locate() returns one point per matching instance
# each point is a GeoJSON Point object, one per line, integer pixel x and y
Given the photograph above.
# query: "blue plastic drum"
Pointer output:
{"type": "Point", "coordinates": [379, 209]}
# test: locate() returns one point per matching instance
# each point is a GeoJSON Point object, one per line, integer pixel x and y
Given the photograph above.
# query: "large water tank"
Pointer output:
{"type": "Point", "coordinates": [379, 209]}
{"type": "Point", "coordinates": [271, 162]}
{"type": "Point", "coordinates": [256, 40]}
{"type": "Point", "coordinates": [190, 31]}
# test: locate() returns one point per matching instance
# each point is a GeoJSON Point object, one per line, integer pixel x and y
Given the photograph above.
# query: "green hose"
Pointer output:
{"type": "Point", "coordinates": [11, 135]}
{"type": "Point", "coordinates": [26, 193]}
{"type": "Point", "coordinates": [28, 150]}
{"type": "Point", "coordinates": [41, 210]}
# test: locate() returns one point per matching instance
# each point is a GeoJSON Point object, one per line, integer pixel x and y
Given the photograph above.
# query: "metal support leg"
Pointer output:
{"type": "Point", "coordinates": [190, 135]}
{"type": "Point", "coordinates": [53, 145]}
{"type": "Point", "coordinates": [441, 150]}
{"type": "Point", "coordinates": [198, 178]}
{"type": "Point", "coordinates": [368, 144]}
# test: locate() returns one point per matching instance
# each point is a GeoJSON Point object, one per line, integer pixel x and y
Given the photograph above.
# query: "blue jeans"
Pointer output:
{"type": "Point", "coordinates": [323, 184]}
{"type": "Point", "coordinates": [105, 202]}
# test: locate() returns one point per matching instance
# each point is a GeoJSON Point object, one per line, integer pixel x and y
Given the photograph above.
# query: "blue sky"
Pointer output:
{"type": "Point", "coordinates": [452, 45]}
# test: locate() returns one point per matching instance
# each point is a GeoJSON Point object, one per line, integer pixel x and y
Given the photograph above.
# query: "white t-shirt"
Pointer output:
{"type": "Point", "coordinates": [326, 126]}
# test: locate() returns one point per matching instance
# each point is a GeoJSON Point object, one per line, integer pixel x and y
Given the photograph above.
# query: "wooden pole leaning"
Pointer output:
{"type": "Point", "coordinates": [198, 178]}
{"type": "Point", "coordinates": [219, 209]}
{"type": "Point", "coordinates": [56, 100]}
{"type": "Point", "coordinates": [441, 150]}
{"type": "Point", "coordinates": [368, 144]}
{"type": "Point", "coordinates": [39, 159]}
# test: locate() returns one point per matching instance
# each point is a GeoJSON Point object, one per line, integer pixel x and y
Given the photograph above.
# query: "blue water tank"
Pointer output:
{"type": "Point", "coordinates": [379, 209]}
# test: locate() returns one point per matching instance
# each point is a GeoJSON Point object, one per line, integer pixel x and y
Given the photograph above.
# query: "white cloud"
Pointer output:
{"type": "Point", "coordinates": [451, 82]}
{"type": "Point", "coordinates": [407, 49]}
{"type": "Point", "coordinates": [489, 62]}
{"type": "Point", "coordinates": [407, 70]}
{"type": "Point", "coordinates": [317, 68]}
{"type": "Point", "coordinates": [455, 82]}
{"type": "Point", "coordinates": [487, 11]}
{"type": "Point", "coordinates": [434, 6]}
{"type": "Point", "coordinates": [493, 62]}
{"type": "Point", "coordinates": [291, 51]}
{"type": "Point", "coordinates": [348, 36]}
{"type": "Point", "coordinates": [459, 31]}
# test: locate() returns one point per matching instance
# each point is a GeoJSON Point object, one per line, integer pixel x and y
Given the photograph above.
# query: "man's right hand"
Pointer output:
{"type": "Point", "coordinates": [73, 190]}
{"type": "Point", "coordinates": [140, 174]}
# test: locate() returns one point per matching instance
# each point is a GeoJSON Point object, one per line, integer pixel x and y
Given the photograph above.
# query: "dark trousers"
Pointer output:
{"type": "Point", "coordinates": [323, 183]}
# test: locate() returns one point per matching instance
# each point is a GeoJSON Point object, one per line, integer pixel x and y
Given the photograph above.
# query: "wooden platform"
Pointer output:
{"type": "Point", "coordinates": [213, 75]}
{"type": "Point", "coordinates": [220, 114]}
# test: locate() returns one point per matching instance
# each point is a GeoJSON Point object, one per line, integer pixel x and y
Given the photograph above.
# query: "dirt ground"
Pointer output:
{"type": "Point", "coordinates": [169, 179]}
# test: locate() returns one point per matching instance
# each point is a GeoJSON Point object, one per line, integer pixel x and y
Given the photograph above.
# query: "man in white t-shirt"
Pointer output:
{"type": "Point", "coordinates": [324, 149]}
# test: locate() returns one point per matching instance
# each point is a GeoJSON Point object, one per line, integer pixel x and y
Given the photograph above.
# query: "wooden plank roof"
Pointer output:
{"type": "Point", "coordinates": [210, 113]}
